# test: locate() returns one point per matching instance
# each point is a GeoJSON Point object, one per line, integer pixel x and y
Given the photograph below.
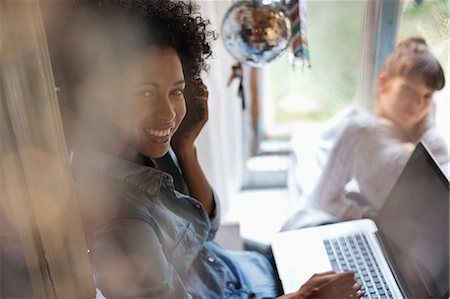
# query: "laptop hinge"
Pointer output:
{"type": "Point", "coordinates": [391, 265]}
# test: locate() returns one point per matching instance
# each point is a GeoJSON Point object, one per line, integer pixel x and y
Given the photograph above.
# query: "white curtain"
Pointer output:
{"type": "Point", "coordinates": [220, 143]}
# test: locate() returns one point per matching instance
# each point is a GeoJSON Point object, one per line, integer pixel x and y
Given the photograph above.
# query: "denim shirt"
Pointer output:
{"type": "Point", "coordinates": [149, 241]}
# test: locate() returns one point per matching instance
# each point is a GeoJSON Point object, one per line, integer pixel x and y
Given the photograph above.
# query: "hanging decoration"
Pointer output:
{"type": "Point", "coordinates": [297, 12]}
{"type": "Point", "coordinates": [236, 73]}
{"type": "Point", "coordinates": [255, 33]}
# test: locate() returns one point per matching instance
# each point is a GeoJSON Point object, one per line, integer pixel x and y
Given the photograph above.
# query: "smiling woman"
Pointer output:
{"type": "Point", "coordinates": [153, 101]}
{"type": "Point", "coordinates": [130, 73]}
{"type": "Point", "coordinates": [132, 84]}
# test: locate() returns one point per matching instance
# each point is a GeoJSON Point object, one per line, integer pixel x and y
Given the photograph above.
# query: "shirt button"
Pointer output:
{"type": "Point", "coordinates": [231, 286]}
{"type": "Point", "coordinates": [211, 259]}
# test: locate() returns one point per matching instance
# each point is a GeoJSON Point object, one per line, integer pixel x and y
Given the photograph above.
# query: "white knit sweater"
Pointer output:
{"type": "Point", "coordinates": [373, 151]}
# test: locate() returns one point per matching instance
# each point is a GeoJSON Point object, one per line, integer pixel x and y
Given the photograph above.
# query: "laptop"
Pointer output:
{"type": "Point", "coordinates": [402, 253]}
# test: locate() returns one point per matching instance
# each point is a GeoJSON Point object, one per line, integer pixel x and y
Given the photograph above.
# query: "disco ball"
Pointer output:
{"type": "Point", "coordinates": [255, 33]}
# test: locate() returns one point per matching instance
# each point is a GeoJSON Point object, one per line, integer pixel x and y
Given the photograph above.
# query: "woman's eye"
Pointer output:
{"type": "Point", "coordinates": [177, 92]}
{"type": "Point", "coordinates": [144, 93]}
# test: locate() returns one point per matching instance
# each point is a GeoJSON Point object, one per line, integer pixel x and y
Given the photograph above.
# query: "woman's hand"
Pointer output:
{"type": "Point", "coordinates": [183, 146]}
{"type": "Point", "coordinates": [196, 117]}
{"type": "Point", "coordinates": [328, 285]}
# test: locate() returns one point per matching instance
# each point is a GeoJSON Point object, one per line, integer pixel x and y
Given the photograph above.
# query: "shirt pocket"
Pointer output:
{"type": "Point", "coordinates": [185, 248]}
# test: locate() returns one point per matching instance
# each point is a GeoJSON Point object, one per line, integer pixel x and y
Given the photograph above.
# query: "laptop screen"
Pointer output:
{"type": "Point", "coordinates": [414, 226]}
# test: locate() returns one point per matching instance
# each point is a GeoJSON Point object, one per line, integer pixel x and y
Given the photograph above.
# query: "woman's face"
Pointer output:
{"type": "Point", "coordinates": [404, 101]}
{"type": "Point", "coordinates": [152, 103]}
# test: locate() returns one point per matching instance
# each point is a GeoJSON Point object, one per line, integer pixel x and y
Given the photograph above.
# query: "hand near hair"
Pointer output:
{"type": "Point", "coordinates": [183, 146]}
{"type": "Point", "coordinates": [195, 119]}
{"type": "Point", "coordinates": [328, 285]}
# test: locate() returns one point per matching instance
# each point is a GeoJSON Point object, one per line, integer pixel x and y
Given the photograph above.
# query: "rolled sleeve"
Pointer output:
{"type": "Point", "coordinates": [215, 218]}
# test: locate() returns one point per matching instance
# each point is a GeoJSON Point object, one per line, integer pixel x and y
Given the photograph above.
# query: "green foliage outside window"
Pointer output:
{"type": "Point", "coordinates": [431, 21]}
{"type": "Point", "coordinates": [335, 33]}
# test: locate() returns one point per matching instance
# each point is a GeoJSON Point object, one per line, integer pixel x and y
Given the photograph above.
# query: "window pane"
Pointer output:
{"type": "Point", "coordinates": [429, 20]}
{"type": "Point", "coordinates": [302, 94]}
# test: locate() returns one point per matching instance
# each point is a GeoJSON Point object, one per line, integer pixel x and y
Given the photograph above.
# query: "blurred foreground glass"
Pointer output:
{"type": "Point", "coordinates": [39, 212]}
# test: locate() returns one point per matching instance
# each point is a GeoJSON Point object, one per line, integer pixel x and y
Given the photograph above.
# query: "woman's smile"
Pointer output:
{"type": "Point", "coordinates": [158, 133]}
{"type": "Point", "coordinates": [159, 136]}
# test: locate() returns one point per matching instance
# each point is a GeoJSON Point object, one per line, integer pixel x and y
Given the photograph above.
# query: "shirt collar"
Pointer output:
{"type": "Point", "coordinates": [145, 178]}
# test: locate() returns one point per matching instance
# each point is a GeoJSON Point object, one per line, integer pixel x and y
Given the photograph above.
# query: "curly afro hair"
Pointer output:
{"type": "Point", "coordinates": [163, 23]}
{"type": "Point", "coordinates": [177, 25]}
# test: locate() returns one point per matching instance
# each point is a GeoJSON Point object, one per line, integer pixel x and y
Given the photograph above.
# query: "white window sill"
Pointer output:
{"type": "Point", "coordinates": [260, 213]}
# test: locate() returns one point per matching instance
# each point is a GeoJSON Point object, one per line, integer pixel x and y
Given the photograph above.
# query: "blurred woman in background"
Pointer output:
{"type": "Point", "coordinates": [373, 149]}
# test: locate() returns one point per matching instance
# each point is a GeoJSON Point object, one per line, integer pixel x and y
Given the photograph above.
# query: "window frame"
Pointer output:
{"type": "Point", "coordinates": [381, 23]}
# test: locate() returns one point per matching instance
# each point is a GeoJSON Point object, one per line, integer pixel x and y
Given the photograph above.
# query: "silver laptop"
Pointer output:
{"type": "Point", "coordinates": [402, 253]}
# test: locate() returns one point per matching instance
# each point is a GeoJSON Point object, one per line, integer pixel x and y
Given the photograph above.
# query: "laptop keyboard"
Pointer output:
{"type": "Point", "coordinates": [352, 252]}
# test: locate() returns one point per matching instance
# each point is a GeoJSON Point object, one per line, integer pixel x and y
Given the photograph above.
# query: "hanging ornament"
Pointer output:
{"type": "Point", "coordinates": [297, 14]}
{"type": "Point", "coordinates": [255, 33]}
{"type": "Point", "coordinates": [236, 73]}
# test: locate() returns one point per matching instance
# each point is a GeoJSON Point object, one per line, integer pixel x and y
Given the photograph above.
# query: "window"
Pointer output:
{"type": "Point", "coordinates": [297, 100]}
{"type": "Point", "coordinates": [298, 94]}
